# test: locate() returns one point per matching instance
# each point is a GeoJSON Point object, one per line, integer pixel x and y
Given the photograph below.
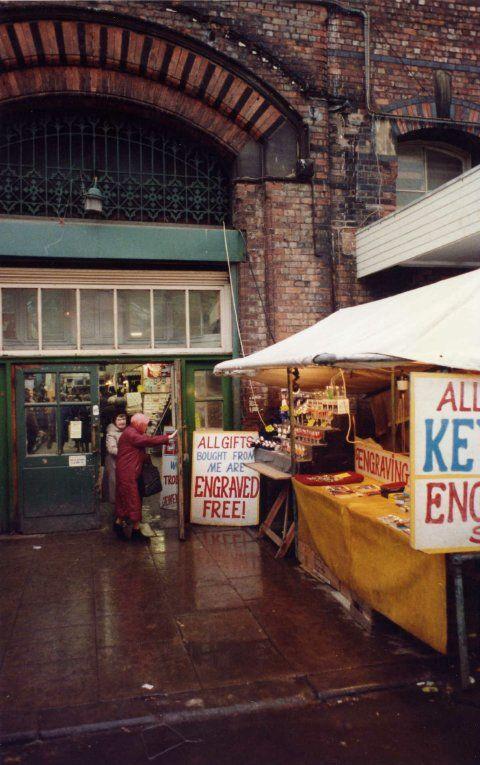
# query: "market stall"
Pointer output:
{"type": "Point", "coordinates": [357, 534]}
{"type": "Point", "coordinates": [348, 541]}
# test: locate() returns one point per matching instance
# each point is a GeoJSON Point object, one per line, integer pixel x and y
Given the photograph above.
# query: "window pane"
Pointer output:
{"type": "Point", "coordinates": [441, 168]}
{"type": "Point", "coordinates": [76, 429]}
{"type": "Point", "coordinates": [207, 385]}
{"type": "Point", "coordinates": [19, 318]}
{"type": "Point", "coordinates": [411, 169]}
{"type": "Point", "coordinates": [205, 318]}
{"type": "Point", "coordinates": [39, 387]}
{"type": "Point", "coordinates": [405, 197]}
{"type": "Point", "coordinates": [133, 318]}
{"type": "Point", "coordinates": [41, 430]}
{"type": "Point", "coordinates": [59, 319]}
{"type": "Point", "coordinates": [75, 386]}
{"type": "Point", "coordinates": [169, 313]}
{"type": "Point", "coordinates": [96, 318]}
{"type": "Point", "coordinates": [208, 414]}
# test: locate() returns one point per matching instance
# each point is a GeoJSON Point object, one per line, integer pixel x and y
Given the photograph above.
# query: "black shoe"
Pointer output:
{"type": "Point", "coordinates": [118, 529]}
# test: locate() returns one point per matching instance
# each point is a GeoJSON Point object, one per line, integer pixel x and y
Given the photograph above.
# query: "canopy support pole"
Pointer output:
{"type": "Point", "coordinates": [393, 412]}
{"type": "Point", "coordinates": [290, 378]}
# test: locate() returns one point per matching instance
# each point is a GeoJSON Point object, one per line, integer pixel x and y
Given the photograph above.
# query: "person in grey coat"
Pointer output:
{"type": "Point", "coordinates": [114, 431]}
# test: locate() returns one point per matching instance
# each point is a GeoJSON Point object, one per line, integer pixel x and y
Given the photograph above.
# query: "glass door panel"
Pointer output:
{"type": "Point", "coordinates": [208, 398]}
{"type": "Point", "coordinates": [41, 430]}
{"type": "Point", "coordinates": [75, 429]}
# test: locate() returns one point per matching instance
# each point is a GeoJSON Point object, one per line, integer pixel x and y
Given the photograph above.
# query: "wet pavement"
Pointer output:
{"type": "Point", "coordinates": [96, 630]}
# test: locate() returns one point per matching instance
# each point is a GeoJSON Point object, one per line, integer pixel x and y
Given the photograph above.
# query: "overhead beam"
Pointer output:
{"type": "Point", "coordinates": [80, 240]}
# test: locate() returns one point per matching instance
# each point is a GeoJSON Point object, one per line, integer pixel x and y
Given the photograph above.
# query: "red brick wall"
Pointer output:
{"type": "Point", "coordinates": [410, 41]}
{"type": "Point", "coordinates": [301, 236]}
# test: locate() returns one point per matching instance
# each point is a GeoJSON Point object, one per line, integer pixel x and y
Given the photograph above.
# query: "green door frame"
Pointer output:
{"type": "Point", "coordinates": [191, 367]}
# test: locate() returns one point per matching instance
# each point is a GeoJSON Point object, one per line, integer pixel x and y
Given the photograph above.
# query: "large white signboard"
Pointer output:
{"type": "Point", "coordinates": [224, 491]}
{"type": "Point", "coordinates": [445, 457]}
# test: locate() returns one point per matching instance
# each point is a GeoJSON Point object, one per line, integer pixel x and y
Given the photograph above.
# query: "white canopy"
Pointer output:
{"type": "Point", "coordinates": [434, 325]}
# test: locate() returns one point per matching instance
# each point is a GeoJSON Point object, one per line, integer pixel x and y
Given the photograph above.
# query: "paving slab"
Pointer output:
{"type": "Point", "coordinates": [205, 626]}
{"type": "Point", "coordinates": [165, 667]}
{"type": "Point", "coordinates": [224, 662]}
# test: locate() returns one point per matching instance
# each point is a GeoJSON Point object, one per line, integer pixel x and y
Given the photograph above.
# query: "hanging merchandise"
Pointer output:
{"type": "Point", "coordinates": [314, 415]}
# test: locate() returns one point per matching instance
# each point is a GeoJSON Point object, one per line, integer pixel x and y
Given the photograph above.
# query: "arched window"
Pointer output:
{"type": "Point", "coordinates": [145, 172]}
{"type": "Point", "coordinates": [423, 167]}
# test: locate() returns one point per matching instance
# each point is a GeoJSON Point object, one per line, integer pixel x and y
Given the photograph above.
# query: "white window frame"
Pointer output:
{"type": "Point", "coordinates": [439, 146]}
{"type": "Point", "coordinates": [149, 350]}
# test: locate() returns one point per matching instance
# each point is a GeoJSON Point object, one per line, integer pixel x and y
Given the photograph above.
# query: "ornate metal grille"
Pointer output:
{"type": "Point", "coordinates": [144, 173]}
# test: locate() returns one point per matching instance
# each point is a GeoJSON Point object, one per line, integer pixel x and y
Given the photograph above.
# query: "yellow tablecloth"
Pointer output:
{"type": "Point", "coordinates": [375, 560]}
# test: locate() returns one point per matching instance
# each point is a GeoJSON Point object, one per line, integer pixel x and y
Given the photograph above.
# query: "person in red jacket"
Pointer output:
{"type": "Point", "coordinates": [130, 458]}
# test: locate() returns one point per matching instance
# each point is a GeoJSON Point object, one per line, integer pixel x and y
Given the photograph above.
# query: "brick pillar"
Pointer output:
{"type": "Point", "coordinates": [298, 295]}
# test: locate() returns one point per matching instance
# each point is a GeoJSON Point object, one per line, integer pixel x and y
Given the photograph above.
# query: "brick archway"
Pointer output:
{"type": "Point", "coordinates": [465, 116]}
{"type": "Point", "coordinates": [55, 52]}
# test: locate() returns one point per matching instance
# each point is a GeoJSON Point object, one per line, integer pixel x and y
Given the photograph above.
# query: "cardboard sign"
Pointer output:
{"type": "Point", "coordinates": [224, 491]}
{"type": "Point", "coordinates": [169, 494]}
{"type": "Point", "coordinates": [380, 465]}
{"type": "Point", "coordinates": [134, 402]}
{"type": "Point", "coordinates": [445, 456]}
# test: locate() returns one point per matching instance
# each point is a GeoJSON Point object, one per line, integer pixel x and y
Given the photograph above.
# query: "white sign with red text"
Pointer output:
{"type": "Point", "coordinates": [445, 457]}
{"type": "Point", "coordinates": [169, 494]}
{"type": "Point", "coordinates": [378, 464]}
{"type": "Point", "coordinates": [224, 491]}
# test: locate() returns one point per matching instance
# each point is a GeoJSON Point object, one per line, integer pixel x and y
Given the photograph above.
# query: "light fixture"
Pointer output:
{"type": "Point", "coordinates": [93, 199]}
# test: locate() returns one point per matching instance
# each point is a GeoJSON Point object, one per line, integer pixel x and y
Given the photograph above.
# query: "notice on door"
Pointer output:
{"type": "Point", "coordinates": [224, 491]}
{"type": "Point", "coordinates": [445, 462]}
{"type": "Point", "coordinates": [77, 460]}
{"type": "Point", "coordinates": [74, 429]}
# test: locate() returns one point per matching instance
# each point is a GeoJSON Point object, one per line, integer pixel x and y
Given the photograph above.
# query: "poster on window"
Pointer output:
{"type": "Point", "coordinates": [445, 462]}
{"type": "Point", "coordinates": [224, 491]}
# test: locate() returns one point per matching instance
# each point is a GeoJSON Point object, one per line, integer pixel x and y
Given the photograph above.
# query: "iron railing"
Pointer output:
{"type": "Point", "coordinates": [144, 172]}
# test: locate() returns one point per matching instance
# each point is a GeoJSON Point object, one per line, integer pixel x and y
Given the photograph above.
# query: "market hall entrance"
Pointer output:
{"type": "Point", "coordinates": [62, 415]}
{"type": "Point", "coordinates": [57, 422]}
{"type": "Point", "coordinates": [146, 387]}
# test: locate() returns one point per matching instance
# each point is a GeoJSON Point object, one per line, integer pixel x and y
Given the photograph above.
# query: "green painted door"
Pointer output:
{"type": "Point", "coordinates": [207, 403]}
{"type": "Point", "coordinates": [208, 398]}
{"type": "Point", "coordinates": [57, 447]}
